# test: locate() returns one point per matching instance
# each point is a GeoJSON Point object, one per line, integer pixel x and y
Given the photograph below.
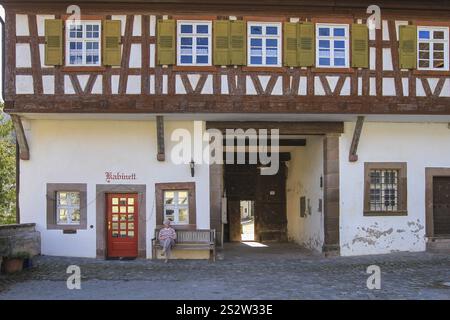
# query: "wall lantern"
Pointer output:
{"type": "Point", "coordinates": [192, 166]}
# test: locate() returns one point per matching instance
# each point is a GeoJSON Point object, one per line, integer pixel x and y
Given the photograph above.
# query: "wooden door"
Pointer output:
{"type": "Point", "coordinates": [122, 225]}
{"type": "Point", "coordinates": [441, 206]}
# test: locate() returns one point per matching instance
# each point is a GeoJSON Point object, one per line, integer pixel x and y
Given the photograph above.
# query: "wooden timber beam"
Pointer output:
{"type": "Point", "coordinates": [24, 151]}
{"type": "Point", "coordinates": [353, 157]}
{"type": "Point", "coordinates": [281, 142]}
{"type": "Point", "coordinates": [161, 156]}
{"type": "Point", "coordinates": [285, 128]}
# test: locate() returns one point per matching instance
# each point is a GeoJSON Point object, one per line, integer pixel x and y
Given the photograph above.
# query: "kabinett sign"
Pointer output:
{"type": "Point", "coordinates": [110, 176]}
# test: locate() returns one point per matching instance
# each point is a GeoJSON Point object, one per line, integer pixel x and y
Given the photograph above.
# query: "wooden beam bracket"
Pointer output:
{"type": "Point", "coordinates": [160, 138]}
{"type": "Point", "coordinates": [353, 157]}
{"type": "Point", "coordinates": [24, 151]}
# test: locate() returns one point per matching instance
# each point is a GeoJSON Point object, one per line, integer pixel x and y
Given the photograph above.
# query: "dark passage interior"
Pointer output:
{"type": "Point", "coordinates": [243, 182]}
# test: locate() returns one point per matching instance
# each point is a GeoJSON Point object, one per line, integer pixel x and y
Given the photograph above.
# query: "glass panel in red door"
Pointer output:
{"type": "Point", "coordinates": [122, 225]}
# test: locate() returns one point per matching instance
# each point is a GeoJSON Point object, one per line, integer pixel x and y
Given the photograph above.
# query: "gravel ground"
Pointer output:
{"type": "Point", "coordinates": [241, 272]}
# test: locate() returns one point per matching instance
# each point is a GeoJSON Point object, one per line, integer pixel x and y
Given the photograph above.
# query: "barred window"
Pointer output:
{"type": "Point", "coordinates": [385, 189]}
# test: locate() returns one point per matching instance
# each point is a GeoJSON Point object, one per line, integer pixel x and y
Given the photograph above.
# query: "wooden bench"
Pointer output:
{"type": "Point", "coordinates": [190, 240]}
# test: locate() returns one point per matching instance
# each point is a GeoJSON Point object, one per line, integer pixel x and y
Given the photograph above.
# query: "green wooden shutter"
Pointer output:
{"type": "Point", "coordinates": [408, 47]}
{"type": "Point", "coordinates": [306, 44]}
{"type": "Point", "coordinates": [290, 45]}
{"type": "Point", "coordinates": [238, 52]}
{"type": "Point", "coordinates": [166, 42]}
{"type": "Point", "coordinates": [53, 42]}
{"type": "Point", "coordinates": [221, 32]}
{"type": "Point", "coordinates": [112, 54]}
{"type": "Point", "coordinates": [360, 46]}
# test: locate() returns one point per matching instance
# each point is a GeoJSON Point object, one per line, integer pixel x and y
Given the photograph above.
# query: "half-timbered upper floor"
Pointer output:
{"type": "Point", "coordinates": [228, 56]}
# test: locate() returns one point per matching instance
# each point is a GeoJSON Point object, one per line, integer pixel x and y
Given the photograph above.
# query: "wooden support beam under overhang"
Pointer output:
{"type": "Point", "coordinates": [353, 157]}
{"type": "Point", "coordinates": [24, 151]}
{"type": "Point", "coordinates": [161, 156]}
{"type": "Point", "coordinates": [285, 128]}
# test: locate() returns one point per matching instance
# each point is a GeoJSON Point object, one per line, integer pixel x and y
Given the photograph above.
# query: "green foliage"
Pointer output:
{"type": "Point", "coordinates": [7, 171]}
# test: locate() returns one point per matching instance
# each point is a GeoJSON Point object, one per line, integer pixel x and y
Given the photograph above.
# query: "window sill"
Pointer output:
{"type": "Point", "coordinates": [83, 69]}
{"type": "Point", "coordinates": [66, 227]}
{"type": "Point", "coordinates": [195, 68]}
{"type": "Point", "coordinates": [385, 213]}
{"type": "Point", "coordinates": [332, 70]}
{"type": "Point", "coordinates": [180, 226]}
{"type": "Point", "coordinates": [431, 72]}
{"type": "Point", "coordinates": [263, 69]}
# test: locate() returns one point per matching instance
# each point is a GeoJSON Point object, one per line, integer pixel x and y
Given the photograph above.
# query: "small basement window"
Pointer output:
{"type": "Point", "coordinates": [385, 191]}
{"type": "Point", "coordinates": [83, 43]}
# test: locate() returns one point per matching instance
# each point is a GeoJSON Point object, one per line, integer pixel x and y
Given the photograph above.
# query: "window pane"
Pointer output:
{"type": "Point", "coordinates": [438, 35]}
{"type": "Point", "coordinates": [424, 46]}
{"type": "Point", "coordinates": [169, 197]}
{"type": "Point", "coordinates": [255, 60]}
{"type": "Point", "coordinates": [76, 216]}
{"type": "Point", "coordinates": [272, 30]}
{"type": "Point", "coordinates": [438, 64]}
{"type": "Point", "coordinates": [186, 59]}
{"type": "Point", "coordinates": [324, 44]}
{"type": "Point", "coordinates": [202, 59]}
{"type": "Point", "coordinates": [62, 198]}
{"type": "Point", "coordinates": [202, 41]}
{"type": "Point", "coordinates": [271, 42]}
{"type": "Point", "coordinates": [423, 34]}
{"type": "Point", "coordinates": [182, 197]}
{"type": "Point", "coordinates": [339, 44]}
{"type": "Point", "coordinates": [324, 53]}
{"type": "Point", "coordinates": [324, 61]}
{"type": "Point", "coordinates": [256, 29]}
{"type": "Point", "coordinates": [169, 213]}
{"type": "Point", "coordinates": [271, 60]}
{"type": "Point", "coordinates": [256, 42]}
{"type": "Point", "coordinates": [130, 209]}
{"type": "Point", "coordinates": [439, 55]}
{"type": "Point", "coordinates": [424, 55]}
{"type": "Point", "coordinates": [438, 46]}
{"type": "Point", "coordinates": [339, 32]}
{"type": "Point", "coordinates": [62, 215]}
{"type": "Point", "coordinates": [202, 28]}
{"type": "Point", "coordinates": [183, 216]}
{"type": "Point", "coordinates": [339, 62]}
{"type": "Point", "coordinates": [424, 63]}
{"type": "Point", "coordinates": [186, 28]}
{"type": "Point", "coordinates": [324, 32]}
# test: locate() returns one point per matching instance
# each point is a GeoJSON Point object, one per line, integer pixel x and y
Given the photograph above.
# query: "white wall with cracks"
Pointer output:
{"type": "Point", "coordinates": [304, 172]}
{"type": "Point", "coordinates": [389, 142]}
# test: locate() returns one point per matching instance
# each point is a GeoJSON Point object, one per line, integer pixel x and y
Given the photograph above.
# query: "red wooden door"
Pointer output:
{"type": "Point", "coordinates": [122, 225]}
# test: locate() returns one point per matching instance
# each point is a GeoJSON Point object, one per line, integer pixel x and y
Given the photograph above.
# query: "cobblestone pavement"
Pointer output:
{"type": "Point", "coordinates": [276, 272]}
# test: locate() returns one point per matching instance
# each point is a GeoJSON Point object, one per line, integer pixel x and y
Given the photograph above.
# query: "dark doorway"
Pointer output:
{"type": "Point", "coordinates": [267, 193]}
{"type": "Point", "coordinates": [441, 206]}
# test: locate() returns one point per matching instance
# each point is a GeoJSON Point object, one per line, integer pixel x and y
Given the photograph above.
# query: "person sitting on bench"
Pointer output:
{"type": "Point", "coordinates": [167, 237]}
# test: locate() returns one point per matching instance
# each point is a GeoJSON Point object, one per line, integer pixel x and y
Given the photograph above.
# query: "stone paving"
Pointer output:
{"type": "Point", "coordinates": [274, 272]}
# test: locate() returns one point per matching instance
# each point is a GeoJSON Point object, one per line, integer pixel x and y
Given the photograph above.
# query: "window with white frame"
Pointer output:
{"type": "Point", "coordinates": [264, 44]}
{"type": "Point", "coordinates": [194, 43]}
{"type": "Point", "coordinates": [83, 43]}
{"type": "Point", "coordinates": [332, 43]}
{"type": "Point", "coordinates": [176, 206]}
{"type": "Point", "coordinates": [68, 207]}
{"type": "Point", "coordinates": [433, 48]}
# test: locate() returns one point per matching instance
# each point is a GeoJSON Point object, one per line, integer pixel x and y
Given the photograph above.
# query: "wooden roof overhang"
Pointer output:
{"type": "Point", "coordinates": [439, 8]}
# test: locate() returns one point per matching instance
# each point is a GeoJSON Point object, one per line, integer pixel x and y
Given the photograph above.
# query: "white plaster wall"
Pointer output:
{"type": "Point", "coordinates": [77, 151]}
{"type": "Point", "coordinates": [304, 172]}
{"type": "Point", "coordinates": [421, 145]}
